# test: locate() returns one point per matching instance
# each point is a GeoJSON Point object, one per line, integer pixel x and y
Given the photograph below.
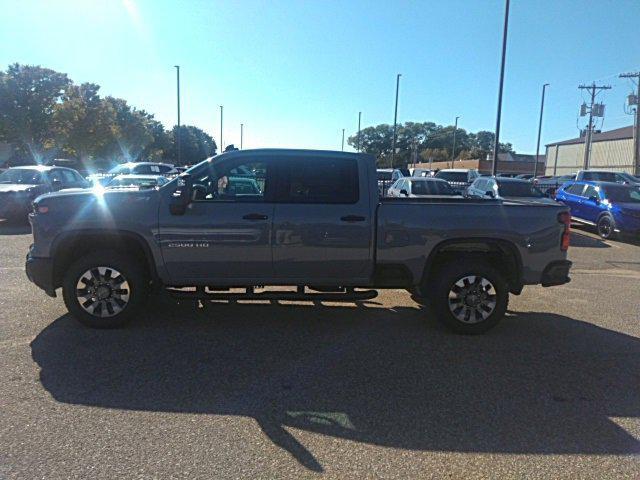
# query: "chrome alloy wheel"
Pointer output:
{"type": "Point", "coordinates": [103, 291]}
{"type": "Point", "coordinates": [472, 299]}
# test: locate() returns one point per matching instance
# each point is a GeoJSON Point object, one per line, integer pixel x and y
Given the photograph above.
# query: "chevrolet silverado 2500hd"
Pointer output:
{"type": "Point", "coordinates": [308, 219]}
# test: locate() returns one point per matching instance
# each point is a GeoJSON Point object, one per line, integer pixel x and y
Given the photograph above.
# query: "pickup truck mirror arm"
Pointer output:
{"type": "Point", "coordinates": [179, 201]}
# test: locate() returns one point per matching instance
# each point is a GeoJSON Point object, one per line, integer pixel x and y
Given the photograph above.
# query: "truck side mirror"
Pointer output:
{"type": "Point", "coordinates": [404, 192]}
{"type": "Point", "coordinates": [181, 198]}
{"type": "Point", "coordinates": [490, 193]}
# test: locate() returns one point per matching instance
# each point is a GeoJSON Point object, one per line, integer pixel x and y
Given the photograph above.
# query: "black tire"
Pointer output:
{"type": "Point", "coordinates": [491, 302]}
{"type": "Point", "coordinates": [606, 227]}
{"type": "Point", "coordinates": [135, 288]}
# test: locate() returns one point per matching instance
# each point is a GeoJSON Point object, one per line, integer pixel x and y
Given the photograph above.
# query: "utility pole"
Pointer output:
{"type": "Point", "coordinates": [593, 89]}
{"type": "Point", "coordinates": [636, 129]}
{"type": "Point", "coordinates": [395, 120]}
{"type": "Point", "coordinates": [453, 148]}
{"type": "Point", "coordinates": [535, 161]}
{"type": "Point", "coordinates": [496, 146]}
{"type": "Point", "coordinates": [178, 131]}
{"type": "Point", "coordinates": [241, 132]}
{"type": "Point", "coordinates": [342, 150]}
{"type": "Point", "coordinates": [359, 118]}
{"type": "Point", "coordinates": [221, 108]}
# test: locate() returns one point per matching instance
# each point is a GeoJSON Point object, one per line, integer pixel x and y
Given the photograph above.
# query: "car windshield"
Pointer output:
{"type": "Point", "coordinates": [23, 176]}
{"type": "Point", "coordinates": [518, 189]}
{"type": "Point", "coordinates": [622, 194]}
{"type": "Point", "coordinates": [453, 176]}
{"type": "Point", "coordinates": [628, 177]}
{"type": "Point", "coordinates": [431, 188]}
{"type": "Point", "coordinates": [120, 170]}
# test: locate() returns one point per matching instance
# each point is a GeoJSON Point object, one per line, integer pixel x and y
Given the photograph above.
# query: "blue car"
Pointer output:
{"type": "Point", "coordinates": [611, 207]}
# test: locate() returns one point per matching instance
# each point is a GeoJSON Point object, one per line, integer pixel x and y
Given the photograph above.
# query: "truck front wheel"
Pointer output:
{"type": "Point", "coordinates": [470, 297]}
{"type": "Point", "coordinates": [105, 289]}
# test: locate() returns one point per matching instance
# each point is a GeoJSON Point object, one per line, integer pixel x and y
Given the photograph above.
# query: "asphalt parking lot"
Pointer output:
{"type": "Point", "coordinates": [301, 390]}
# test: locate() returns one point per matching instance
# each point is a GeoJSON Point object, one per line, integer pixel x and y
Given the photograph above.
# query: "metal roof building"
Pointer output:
{"type": "Point", "coordinates": [611, 150]}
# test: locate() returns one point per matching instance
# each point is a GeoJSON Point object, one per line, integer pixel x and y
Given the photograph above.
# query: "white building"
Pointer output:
{"type": "Point", "coordinates": [612, 150]}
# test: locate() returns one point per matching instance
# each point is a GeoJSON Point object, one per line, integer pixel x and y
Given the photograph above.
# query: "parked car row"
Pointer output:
{"type": "Point", "coordinates": [611, 205]}
{"type": "Point", "coordinates": [19, 186]}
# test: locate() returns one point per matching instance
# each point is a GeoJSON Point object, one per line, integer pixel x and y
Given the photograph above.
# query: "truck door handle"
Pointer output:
{"type": "Point", "coordinates": [255, 216]}
{"type": "Point", "coordinates": [352, 218]}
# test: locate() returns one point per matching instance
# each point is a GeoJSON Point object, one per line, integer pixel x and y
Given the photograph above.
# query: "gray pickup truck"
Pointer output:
{"type": "Point", "coordinates": [312, 220]}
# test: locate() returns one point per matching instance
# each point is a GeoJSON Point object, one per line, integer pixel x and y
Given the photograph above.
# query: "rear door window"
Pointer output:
{"type": "Point", "coordinates": [590, 191]}
{"type": "Point", "coordinates": [575, 189]}
{"type": "Point", "coordinates": [320, 180]}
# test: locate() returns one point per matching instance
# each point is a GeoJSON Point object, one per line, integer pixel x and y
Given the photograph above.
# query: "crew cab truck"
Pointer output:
{"type": "Point", "coordinates": [311, 219]}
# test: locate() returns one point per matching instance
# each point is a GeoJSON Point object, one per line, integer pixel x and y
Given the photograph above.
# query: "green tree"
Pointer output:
{"type": "Point", "coordinates": [195, 145]}
{"type": "Point", "coordinates": [132, 132]}
{"type": "Point", "coordinates": [89, 123]}
{"type": "Point", "coordinates": [161, 141]}
{"type": "Point", "coordinates": [29, 98]}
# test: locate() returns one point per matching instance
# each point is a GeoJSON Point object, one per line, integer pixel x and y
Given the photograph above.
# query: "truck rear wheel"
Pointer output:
{"type": "Point", "coordinates": [105, 289]}
{"type": "Point", "coordinates": [469, 297]}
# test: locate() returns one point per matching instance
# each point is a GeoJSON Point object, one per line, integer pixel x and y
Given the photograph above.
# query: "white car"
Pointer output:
{"type": "Point", "coordinates": [137, 181]}
{"type": "Point", "coordinates": [414, 187]}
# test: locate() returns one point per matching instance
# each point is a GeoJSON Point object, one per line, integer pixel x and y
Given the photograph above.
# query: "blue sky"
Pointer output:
{"type": "Point", "coordinates": [296, 73]}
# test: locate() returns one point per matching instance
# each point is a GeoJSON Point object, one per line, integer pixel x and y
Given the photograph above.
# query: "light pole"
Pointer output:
{"type": "Point", "coordinates": [496, 146]}
{"type": "Point", "coordinates": [535, 167]}
{"type": "Point", "coordinates": [342, 150]}
{"type": "Point", "coordinates": [359, 118]}
{"type": "Point", "coordinates": [241, 134]}
{"type": "Point", "coordinates": [178, 131]}
{"type": "Point", "coordinates": [395, 121]}
{"type": "Point", "coordinates": [453, 148]}
{"type": "Point", "coordinates": [221, 108]}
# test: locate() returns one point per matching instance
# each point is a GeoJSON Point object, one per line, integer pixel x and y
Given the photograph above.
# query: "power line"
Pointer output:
{"type": "Point", "coordinates": [594, 109]}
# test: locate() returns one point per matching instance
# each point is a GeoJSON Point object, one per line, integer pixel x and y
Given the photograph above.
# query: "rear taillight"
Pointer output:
{"type": "Point", "coordinates": [565, 219]}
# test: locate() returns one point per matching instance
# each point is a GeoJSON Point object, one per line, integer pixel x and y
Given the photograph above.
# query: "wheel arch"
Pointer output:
{"type": "Point", "coordinates": [501, 254]}
{"type": "Point", "coordinates": [70, 246]}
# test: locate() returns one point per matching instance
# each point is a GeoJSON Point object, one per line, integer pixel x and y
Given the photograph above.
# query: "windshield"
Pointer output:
{"type": "Point", "coordinates": [384, 176]}
{"type": "Point", "coordinates": [22, 175]}
{"type": "Point", "coordinates": [622, 194]}
{"type": "Point", "coordinates": [628, 177]}
{"type": "Point", "coordinates": [453, 176]}
{"type": "Point", "coordinates": [120, 170]}
{"type": "Point", "coordinates": [431, 188]}
{"type": "Point", "coordinates": [518, 189]}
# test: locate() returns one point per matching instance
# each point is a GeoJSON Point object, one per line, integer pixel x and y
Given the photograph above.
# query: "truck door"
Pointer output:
{"type": "Point", "coordinates": [322, 221]}
{"type": "Point", "coordinates": [225, 233]}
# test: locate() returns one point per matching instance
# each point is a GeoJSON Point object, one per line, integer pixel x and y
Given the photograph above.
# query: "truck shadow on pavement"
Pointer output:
{"type": "Point", "coordinates": [539, 383]}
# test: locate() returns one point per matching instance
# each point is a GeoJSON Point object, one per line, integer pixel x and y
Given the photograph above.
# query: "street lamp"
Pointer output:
{"type": "Point", "coordinates": [395, 120]}
{"type": "Point", "coordinates": [178, 131]}
{"type": "Point", "coordinates": [496, 146]}
{"type": "Point", "coordinates": [453, 149]}
{"type": "Point", "coordinates": [359, 118]}
{"type": "Point", "coordinates": [221, 108]}
{"type": "Point", "coordinates": [535, 167]}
